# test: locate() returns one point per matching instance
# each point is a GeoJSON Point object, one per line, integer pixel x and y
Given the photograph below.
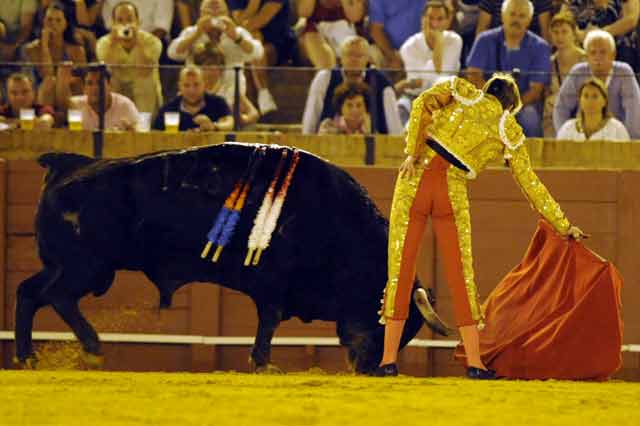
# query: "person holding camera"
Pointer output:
{"type": "Point", "coordinates": [216, 27]}
{"type": "Point", "coordinates": [133, 56]}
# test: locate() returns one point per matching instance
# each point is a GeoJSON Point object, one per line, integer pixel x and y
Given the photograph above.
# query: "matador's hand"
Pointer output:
{"type": "Point", "coordinates": [408, 167]}
{"type": "Point", "coordinates": [576, 233]}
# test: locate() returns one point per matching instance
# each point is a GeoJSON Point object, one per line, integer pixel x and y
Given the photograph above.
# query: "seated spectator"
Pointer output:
{"type": "Point", "coordinates": [120, 113]}
{"type": "Point", "coordinates": [220, 81]}
{"type": "Point", "coordinates": [392, 23]}
{"type": "Point", "coordinates": [83, 16]}
{"type": "Point", "coordinates": [622, 87]}
{"type": "Point", "coordinates": [350, 102]}
{"type": "Point", "coordinates": [21, 95]}
{"type": "Point", "coordinates": [328, 23]}
{"type": "Point", "coordinates": [428, 55]}
{"type": "Point", "coordinates": [268, 21]}
{"type": "Point", "coordinates": [491, 16]}
{"type": "Point", "coordinates": [512, 48]}
{"type": "Point", "coordinates": [16, 17]}
{"type": "Point", "coordinates": [593, 121]}
{"type": "Point", "coordinates": [198, 109]}
{"type": "Point", "coordinates": [154, 16]}
{"type": "Point", "coordinates": [568, 53]}
{"type": "Point", "coordinates": [354, 57]}
{"type": "Point", "coordinates": [215, 26]}
{"type": "Point", "coordinates": [56, 44]}
{"type": "Point", "coordinates": [135, 54]}
{"type": "Point", "coordinates": [617, 17]}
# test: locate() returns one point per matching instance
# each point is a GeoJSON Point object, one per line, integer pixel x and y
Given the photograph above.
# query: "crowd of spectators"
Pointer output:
{"type": "Point", "coordinates": [372, 59]}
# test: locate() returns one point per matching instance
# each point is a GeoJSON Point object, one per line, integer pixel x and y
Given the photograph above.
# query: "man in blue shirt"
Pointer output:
{"type": "Point", "coordinates": [512, 47]}
{"type": "Point", "coordinates": [393, 22]}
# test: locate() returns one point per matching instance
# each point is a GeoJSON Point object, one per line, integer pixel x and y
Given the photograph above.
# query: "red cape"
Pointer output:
{"type": "Point", "coordinates": [554, 316]}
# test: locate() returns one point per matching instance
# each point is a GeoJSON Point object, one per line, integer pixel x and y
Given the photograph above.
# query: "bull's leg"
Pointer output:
{"type": "Point", "coordinates": [70, 313]}
{"type": "Point", "coordinates": [28, 301]}
{"type": "Point", "coordinates": [269, 318]}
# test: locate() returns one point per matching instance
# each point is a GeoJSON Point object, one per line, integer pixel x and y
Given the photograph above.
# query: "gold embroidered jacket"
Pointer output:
{"type": "Point", "coordinates": [473, 128]}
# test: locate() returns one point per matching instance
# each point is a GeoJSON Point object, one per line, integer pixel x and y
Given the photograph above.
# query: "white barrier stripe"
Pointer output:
{"type": "Point", "coordinates": [180, 339]}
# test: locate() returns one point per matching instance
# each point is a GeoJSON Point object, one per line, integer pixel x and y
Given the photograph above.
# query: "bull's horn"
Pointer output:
{"type": "Point", "coordinates": [431, 318]}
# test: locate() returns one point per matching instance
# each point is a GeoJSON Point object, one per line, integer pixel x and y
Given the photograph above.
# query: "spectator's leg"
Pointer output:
{"type": "Point", "coordinates": [318, 50]}
{"type": "Point", "coordinates": [530, 119]}
{"type": "Point", "coordinates": [266, 103]}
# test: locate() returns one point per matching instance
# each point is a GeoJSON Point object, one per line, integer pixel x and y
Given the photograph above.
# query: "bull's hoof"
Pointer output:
{"type": "Point", "coordinates": [92, 361]}
{"type": "Point", "coordinates": [264, 369]}
{"type": "Point", "coordinates": [29, 363]}
{"type": "Point", "coordinates": [268, 369]}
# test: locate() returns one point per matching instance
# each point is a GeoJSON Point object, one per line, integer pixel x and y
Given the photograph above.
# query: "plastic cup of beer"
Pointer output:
{"type": "Point", "coordinates": [74, 116]}
{"type": "Point", "coordinates": [27, 117]}
{"type": "Point", "coordinates": [144, 122]}
{"type": "Point", "coordinates": [171, 122]}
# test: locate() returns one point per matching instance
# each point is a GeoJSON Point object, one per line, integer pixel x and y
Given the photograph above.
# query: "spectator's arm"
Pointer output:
{"type": "Point", "coordinates": [631, 102]}
{"type": "Point", "coordinates": [483, 23]}
{"type": "Point", "coordinates": [391, 115]}
{"type": "Point", "coordinates": [628, 21]}
{"type": "Point", "coordinates": [354, 10]}
{"type": "Point", "coordinates": [180, 47]}
{"type": "Point", "coordinates": [315, 101]}
{"type": "Point", "coordinates": [184, 14]}
{"type": "Point", "coordinates": [224, 123]}
{"type": "Point", "coordinates": [130, 116]}
{"type": "Point", "coordinates": [263, 17]}
{"type": "Point", "coordinates": [479, 60]}
{"type": "Point", "coordinates": [152, 49]}
{"type": "Point", "coordinates": [248, 112]}
{"type": "Point", "coordinates": [87, 16]}
{"type": "Point", "coordinates": [534, 94]}
{"type": "Point", "coordinates": [44, 121]}
{"type": "Point", "coordinates": [249, 45]}
{"type": "Point", "coordinates": [543, 20]}
{"type": "Point", "coordinates": [162, 18]}
{"type": "Point", "coordinates": [47, 91]}
{"type": "Point", "coordinates": [566, 101]}
{"type": "Point", "coordinates": [540, 74]}
{"type": "Point", "coordinates": [64, 100]}
{"type": "Point", "coordinates": [306, 7]}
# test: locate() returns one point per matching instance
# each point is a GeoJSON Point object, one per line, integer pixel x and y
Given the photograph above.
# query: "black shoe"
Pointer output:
{"type": "Point", "coordinates": [480, 374]}
{"type": "Point", "coordinates": [386, 370]}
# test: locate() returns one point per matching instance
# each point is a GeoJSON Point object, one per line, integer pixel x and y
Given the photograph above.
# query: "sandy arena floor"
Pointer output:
{"type": "Point", "coordinates": [105, 398]}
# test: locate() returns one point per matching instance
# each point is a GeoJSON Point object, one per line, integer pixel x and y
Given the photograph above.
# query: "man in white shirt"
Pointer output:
{"type": "Point", "coordinates": [354, 57]}
{"type": "Point", "coordinates": [155, 16]}
{"type": "Point", "coordinates": [428, 55]}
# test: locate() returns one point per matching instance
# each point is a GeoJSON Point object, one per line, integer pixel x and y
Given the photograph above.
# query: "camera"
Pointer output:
{"type": "Point", "coordinates": [125, 32]}
{"type": "Point", "coordinates": [217, 23]}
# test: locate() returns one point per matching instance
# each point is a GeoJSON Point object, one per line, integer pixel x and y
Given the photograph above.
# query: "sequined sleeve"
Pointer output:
{"type": "Point", "coordinates": [535, 191]}
{"type": "Point", "coordinates": [422, 108]}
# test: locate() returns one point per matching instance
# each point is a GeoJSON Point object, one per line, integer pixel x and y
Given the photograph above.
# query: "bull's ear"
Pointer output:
{"type": "Point", "coordinates": [64, 161]}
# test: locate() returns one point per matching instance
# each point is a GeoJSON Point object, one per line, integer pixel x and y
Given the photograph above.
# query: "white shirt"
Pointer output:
{"type": "Point", "coordinates": [122, 112]}
{"type": "Point", "coordinates": [613, 131]}
{"type": "Point", "coordinates": [233, 53]}
{"type": "Point", "coordinates": [153, 14]}
{"type": "Point", "coordinates": [315, 102]}
{"type": "Point", "coordinates": [417, 55]}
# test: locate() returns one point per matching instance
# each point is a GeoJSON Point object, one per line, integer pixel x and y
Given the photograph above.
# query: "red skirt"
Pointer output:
{"type": "Point", "coordinates": [554, 316]}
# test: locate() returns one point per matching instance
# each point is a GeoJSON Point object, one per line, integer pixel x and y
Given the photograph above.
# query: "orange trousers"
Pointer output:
{"type": "Point", "coordinates": [432, 199]}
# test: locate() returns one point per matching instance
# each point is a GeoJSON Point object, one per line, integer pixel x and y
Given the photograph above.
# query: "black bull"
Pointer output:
{"type": "Point", "coordinates": [327, 259]}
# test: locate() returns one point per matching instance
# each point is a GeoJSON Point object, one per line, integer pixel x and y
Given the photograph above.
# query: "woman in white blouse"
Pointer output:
{"type": "Point", "coordinates": [593, 121]}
